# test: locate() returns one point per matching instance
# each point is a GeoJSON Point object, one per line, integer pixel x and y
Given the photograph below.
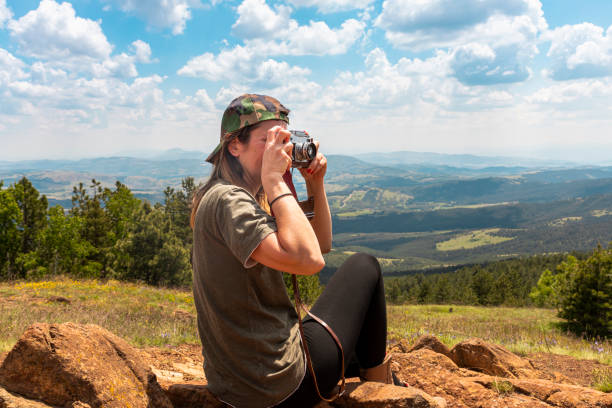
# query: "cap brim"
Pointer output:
{"type": "Point", "coordinates": [211, 157]}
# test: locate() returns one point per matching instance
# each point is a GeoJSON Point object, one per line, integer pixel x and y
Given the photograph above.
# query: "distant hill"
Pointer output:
{"type": "Point", "coordinates": [406, 158]}
{"type": "Point", "coordinates": [371, 182]}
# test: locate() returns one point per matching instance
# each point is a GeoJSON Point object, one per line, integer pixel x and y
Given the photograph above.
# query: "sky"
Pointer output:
{"type": "Point", "coordinates": [90, 78]}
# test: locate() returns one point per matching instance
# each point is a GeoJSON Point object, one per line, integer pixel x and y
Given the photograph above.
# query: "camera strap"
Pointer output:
{"type": "Point", "coordinates": [299, 305]}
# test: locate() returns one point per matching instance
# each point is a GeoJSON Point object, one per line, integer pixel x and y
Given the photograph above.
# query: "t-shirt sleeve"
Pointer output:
{"type": "Point", "coordinates": [242, 223]}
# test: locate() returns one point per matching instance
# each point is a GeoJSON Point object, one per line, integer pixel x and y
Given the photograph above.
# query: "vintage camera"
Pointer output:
{"type": "Point", "coordinates": [304, 149]}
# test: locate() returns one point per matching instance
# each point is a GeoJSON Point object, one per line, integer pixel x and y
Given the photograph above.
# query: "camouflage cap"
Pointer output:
{"type": "Point", "coordinates": [247, 110]}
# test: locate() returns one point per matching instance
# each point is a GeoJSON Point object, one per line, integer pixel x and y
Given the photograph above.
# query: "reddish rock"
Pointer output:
{"type": "Point", "coordinates": [8, 400]}
{"type": "Point", "coordinates": [492, 359]}
{"type": "Point", "coordinates": [432, 343]}
{"type": "Point", "coordinates": [61, 364]}
{"type": "Point", "coordinates": [402, 346]}
{"type": "Point", "coordinates": [376, 395]}
{"type": "Point", "coordinates": [191, 395]}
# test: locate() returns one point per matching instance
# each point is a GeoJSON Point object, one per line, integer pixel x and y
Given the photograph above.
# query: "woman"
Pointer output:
{"type": "Point", "coordinates": [251, 343]}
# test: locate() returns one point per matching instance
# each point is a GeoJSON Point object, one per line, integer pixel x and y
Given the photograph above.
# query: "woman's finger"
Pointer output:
{"type": "Point", "coordinates": [315, 162]}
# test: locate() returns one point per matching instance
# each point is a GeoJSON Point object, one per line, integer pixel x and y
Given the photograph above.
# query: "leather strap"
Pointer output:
{"type": "Point", "coordinates": [299, 305]}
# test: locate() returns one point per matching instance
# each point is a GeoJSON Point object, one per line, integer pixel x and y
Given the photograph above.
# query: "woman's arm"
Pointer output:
{"type": "Point", "coordinates": [321, 223]}
{"type": "Point", "coordinates": [294, 248]}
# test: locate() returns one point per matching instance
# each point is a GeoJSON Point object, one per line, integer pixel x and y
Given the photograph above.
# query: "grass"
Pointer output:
{"type": "Point", "coordinates": [472, 239]}
{"type": "Point", "coordinates": [521, 330]}
{"type": "Point", "coordinates": [602, 379]}
{"type": "Point", "coordinates": [148, 316]}
{"type": "Point", "coordinates": [143, 315]}
{"type": "Point", "coordinates": [502, 387]}
{"type": "Point", "coordinates": [562, 221]}
{"type": "Point", "coordinates": [353, 213]}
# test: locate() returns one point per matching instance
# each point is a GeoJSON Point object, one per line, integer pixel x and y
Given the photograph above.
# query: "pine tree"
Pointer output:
{"type": "Point", "coordinates": [33, 208]}
{"type": "Point", "coordinates": [587, 307]}
{"type": "Point", "coordinates": [10, 236]}
{"type": "Point", "coordinates": [543, 294]}
{"type": "Point", "coordinates": [61, 249]}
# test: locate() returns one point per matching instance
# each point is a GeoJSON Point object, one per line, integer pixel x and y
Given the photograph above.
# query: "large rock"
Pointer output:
{"type": "Point", "coordinates": [192, 395]}
{"type": "Point", "coordinates": [430, 342]}
{"type": "Point", "coordinates": [8, 400]}
{"type": "Point", "coordinates": [492, 359]}
{"type": "Point", "coordinates": [377, 395]}
{"type": "Point", "coordinates": [439, 376]}
{"type": "Point", "coordinates": [61, 364]}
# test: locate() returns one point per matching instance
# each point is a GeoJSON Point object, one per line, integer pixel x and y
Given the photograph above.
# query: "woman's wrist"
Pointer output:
{"type": "Point", "coordinates": [314, 188]}
{"type": "Point", "coordinates": [274, 186]}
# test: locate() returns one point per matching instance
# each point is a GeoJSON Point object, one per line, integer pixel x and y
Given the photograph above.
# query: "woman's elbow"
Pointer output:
{"type": "Point", "coordinates": [315, 264]}
{"type": "Point", "coordinates": [325, 249]}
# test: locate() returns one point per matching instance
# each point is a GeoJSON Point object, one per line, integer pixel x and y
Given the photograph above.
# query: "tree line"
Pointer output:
{"type": "Point", "coordinates": [577, 285]}
{"type": "Point", "coordinates": [108, 233]}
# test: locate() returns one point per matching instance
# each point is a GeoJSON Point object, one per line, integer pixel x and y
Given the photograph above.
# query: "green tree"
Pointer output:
{"type": "Point", "coordinates": [177, 206]}
{"type": "Point", "coordinates": [151, 252]}
{"type": "Point", "coordinates": [587, 303]}
{"type": "Point", "coordinates": [309, 287]}
{"type": "Point", "coordinates": [543, 294]}
{"type": "Point", "coordinates": [61, 249]}
{"type": "Point", "coordinates": [33, 208]}
{"type": "Point", "coordinates": [121, 207]}
{"type": "Point", "coordinates": [442, 290]}
{"type": "Point", "coordinates": [10, 235]}
{"type": "Point", "coordinates": [482, 283]}
{"type": "Point", "coordinates": [97, 226]}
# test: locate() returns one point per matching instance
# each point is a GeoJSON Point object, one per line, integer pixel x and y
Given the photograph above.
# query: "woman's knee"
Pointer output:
{"type": "Point", "coordinates": [366, 265]}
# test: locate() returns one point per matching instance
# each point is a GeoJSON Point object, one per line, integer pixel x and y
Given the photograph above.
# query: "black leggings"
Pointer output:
{"type": "Point", "coordinates": [353, 305]}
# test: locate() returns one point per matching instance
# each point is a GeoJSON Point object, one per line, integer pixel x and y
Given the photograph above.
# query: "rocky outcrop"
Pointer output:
{"type": "Point", "coordinates": [8, 400]}
{"type": "Point", "coordinates": [491, 359]}
{"type": "Point", "coordinates": [462, 387]}
{"type": "Point", "coordinates": [85, 366]}
{"type": "Point", "coordinates": [357, 395]}
{"type": "Point", "coordinates": [68, 363]}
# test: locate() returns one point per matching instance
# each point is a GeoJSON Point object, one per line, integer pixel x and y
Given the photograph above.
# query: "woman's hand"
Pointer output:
{"type": "Point", "coordinates": [315, 172]}
{"type": "Point", "coordinates": [277, 155]}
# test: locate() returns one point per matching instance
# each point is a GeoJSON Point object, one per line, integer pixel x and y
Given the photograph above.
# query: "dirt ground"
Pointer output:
{"type": "Point", "coordinates": [579, 372]}
{"type": "Point", "coordinates": [189, 360]}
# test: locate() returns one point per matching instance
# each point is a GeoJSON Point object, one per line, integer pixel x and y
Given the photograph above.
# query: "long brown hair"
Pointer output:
{"type": "Point", "coordinates": [227, 167]}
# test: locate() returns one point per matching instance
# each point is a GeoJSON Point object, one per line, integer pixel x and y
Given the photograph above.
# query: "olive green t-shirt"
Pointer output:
{"type": "Point", "coordinates": [246, 321]}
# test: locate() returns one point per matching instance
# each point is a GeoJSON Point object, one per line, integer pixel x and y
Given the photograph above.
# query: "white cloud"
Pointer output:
{"type": "Point", "coordinates": [172, 14]}
{"type": "Point", "coordinates": [243, 65]}
{"type": "Point", "coordinates": [332, 6]}
{"type": "Point", "coordinates": [54, 32]}
{"type": "Point", "coordinates": [121, 66]}
{"type": "Point", "coordinates": [272, 32]}
{"type": "Point", "coordinates": [11, 68]}
{"type": "Point", "coordinates": [492, 41]}
{"type": "Point", "coordinates": [142, 51]}
{"type": "Point", "coordinates": [257, 20]}
{"type": "Point", "coordinates": [575, 95]}
{"type": "Point", "coordinates": [479, 64]}
{"type": "Point", "coordinates": [418, 25]}
{"type": "Point", "coordinates": [5, 13]}
{"type": "Point", "coordinates": [580, 51]}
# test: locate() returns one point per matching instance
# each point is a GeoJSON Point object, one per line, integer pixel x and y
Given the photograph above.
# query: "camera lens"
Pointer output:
{"type": "Point", "coordinates": [311, 151]}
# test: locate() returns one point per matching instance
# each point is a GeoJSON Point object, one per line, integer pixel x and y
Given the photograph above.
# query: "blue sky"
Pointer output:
{"type": "Point", "coordinates": [87, 78]}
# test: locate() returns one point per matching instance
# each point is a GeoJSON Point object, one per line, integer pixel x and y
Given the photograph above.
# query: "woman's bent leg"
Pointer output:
{"type": "Point", "coordinates": [353, 305]}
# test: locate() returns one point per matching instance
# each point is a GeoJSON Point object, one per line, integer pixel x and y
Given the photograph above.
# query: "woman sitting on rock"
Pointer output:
{"type": "Point", "coordinates": [249, 329]}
